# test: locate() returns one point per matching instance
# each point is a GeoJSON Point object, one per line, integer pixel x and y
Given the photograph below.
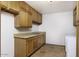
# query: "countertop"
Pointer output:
{"type": "Point", "coordinates": [27, 35]}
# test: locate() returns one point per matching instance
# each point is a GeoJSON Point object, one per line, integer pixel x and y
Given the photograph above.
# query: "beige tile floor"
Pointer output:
{"type": "Point", "coordinates": [49, 50]}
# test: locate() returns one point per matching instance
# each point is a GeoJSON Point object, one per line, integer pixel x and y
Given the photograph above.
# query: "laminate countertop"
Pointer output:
{"type": "Point", "coordinates": [27, 35]}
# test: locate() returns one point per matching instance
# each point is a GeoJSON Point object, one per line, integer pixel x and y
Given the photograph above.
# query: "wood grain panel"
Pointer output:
{"type": "Point", "coordinates": [20, 47]}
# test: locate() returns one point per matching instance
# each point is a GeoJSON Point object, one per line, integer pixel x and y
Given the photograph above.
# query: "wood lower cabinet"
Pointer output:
{"type": "Point", "coordinates": [26, 46]}
{"type": "Point", "coordinates": [20, 47]}
{"type": "Point", "coordinates": [35, 43]}
{"type": "Point", "coordinates": [30, 46]}
{"type": "Point", "coordinates": [40, 39]}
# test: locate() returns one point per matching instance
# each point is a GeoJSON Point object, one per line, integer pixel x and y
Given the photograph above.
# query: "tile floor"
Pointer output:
{"type": "Point", "coordinates": [49, 50]}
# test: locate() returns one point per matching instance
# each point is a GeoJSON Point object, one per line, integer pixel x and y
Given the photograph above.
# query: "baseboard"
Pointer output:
{"type": "Point", "coordinates": [56, 44]}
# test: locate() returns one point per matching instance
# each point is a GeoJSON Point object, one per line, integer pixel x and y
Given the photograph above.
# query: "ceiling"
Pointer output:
{"type": "Point", "coordinates": [46, 7]}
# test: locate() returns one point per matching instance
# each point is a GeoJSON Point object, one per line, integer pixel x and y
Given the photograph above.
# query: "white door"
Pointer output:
{"type": "Point", "coordinates": [7, 39]}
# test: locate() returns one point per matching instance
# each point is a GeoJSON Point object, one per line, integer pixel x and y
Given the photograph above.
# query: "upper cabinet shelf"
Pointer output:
{"type": "Point", "coordinates": [76, 14]}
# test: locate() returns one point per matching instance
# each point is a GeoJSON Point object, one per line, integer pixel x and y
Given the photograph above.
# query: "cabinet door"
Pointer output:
{"type": "Point", "coordinates": [39, 18]}
{"type": "Point", "coordinates": [20, 47]}
{"type": "Point", "coordinates": [30, 46]}
{"type": "Point", "coordinates": [34, 15]}
{"type": "Point", "coordinates": [41, 39]}
{"type": "Point", "coordinates": [35, 43]}
{"type": "Point", "coordinates": [17, 21]}
{"type": "Point", "coordinates": [23, 20]}
{"type": "Point", "coordinates": [29, 20]}
{"type": "Point", "coordinates": [20, 20]}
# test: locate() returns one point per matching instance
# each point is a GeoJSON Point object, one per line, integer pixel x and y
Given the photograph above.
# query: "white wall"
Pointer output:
{"type": "Point", "coordinates": [35, 28]}
{"type": "Point", "coordinates": [57, 26]}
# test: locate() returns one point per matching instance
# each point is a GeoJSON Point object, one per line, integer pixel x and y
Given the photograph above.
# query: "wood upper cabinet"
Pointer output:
{"type": "Point", "coordinates": [11, 4]}
{"type": "Point", "coordinates": [4, 3]}
{"type": "Point", "coordinates": [25, 7]}
{"type": "Point", "coordinates": [39, 18]}
{"type": "Point", "coordinates": [77, 11]}
{"type": "Point", "coordinates": [25, 14]}
{"type": "Point", "coordinates": [23, 20]}
{"type": "Point", "coordinates": [36, 17]}
{"type": "Point", "coordinates": [76, 15]}
{"type": "Point", "coordinates": [14, 5]}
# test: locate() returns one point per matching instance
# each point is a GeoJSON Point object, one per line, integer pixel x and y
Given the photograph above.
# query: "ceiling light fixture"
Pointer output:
{"type": "Point", "coordinates": [50, 3]}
